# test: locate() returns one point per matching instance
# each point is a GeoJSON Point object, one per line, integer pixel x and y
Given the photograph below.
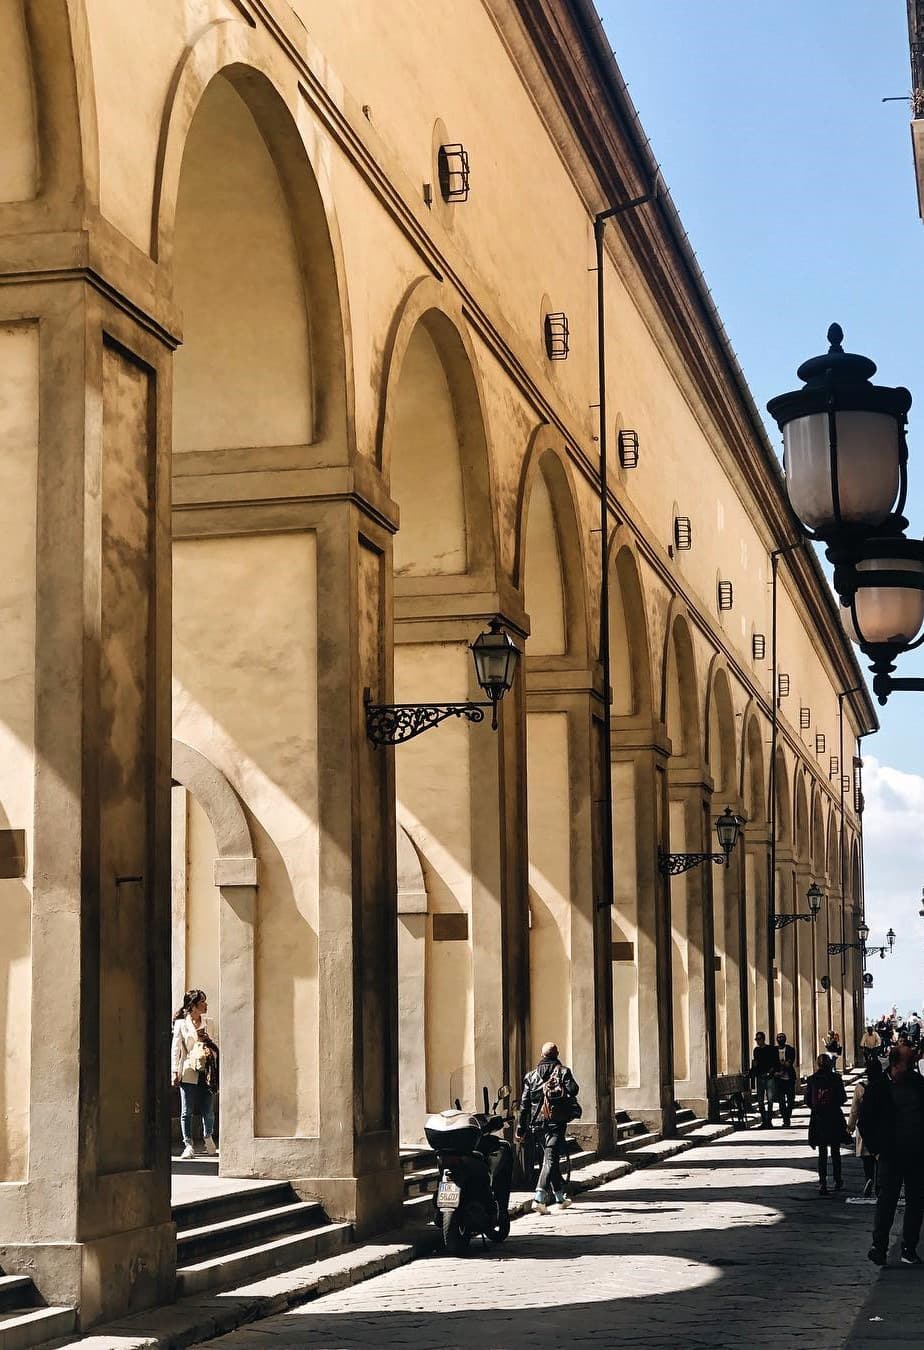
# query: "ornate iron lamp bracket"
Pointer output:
{"type": "Point", "coordinates": [672, 864]}
{"type": "Point", "coordinates": [835, 948]}
{"type": "Point", "coordinates": [394, 723]}
{"type": "Point", "coordinates": [784, 920]}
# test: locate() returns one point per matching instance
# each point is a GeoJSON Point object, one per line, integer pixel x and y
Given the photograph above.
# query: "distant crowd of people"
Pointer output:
{"type": "Point", "coordinates": [885, 1125]}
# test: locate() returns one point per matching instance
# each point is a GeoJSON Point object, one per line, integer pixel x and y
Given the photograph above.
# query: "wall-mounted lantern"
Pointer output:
{"type": "Point", "coordinates": [814, 896]}
{"type": "Point", "coordinates": [727, 827]}
{"type": "Point", "coordinates": [453, 174]}
{"type": "Point", "coordinates": [495, 656]}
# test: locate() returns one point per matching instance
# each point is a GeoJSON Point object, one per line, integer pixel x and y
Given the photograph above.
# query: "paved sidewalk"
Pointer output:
{"type": "Point", "coordinates": [729, 1245]}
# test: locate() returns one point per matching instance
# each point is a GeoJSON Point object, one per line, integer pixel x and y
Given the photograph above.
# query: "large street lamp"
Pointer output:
{"type": "Point", "coordinates": [835, 948]}
{"type": "Point", "coordinates": [495, 656]}
{"type": "Point", "coordinates": [846, 462]}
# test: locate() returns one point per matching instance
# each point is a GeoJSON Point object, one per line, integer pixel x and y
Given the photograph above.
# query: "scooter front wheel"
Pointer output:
{"type": "Point", "coordinates": [455, 1237]}
{"type": "Point", "coordinates": [501, 1230]}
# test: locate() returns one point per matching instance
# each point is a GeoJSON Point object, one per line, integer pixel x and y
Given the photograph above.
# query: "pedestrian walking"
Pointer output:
{"type": "Point", "coordinates": [194, 1065]}
{"type": "Point", "coordinates": [764, 1065]}
{"type": "Point", "coordinates": [891, 1121]}
{"type": "Point", "coordinates": [833, 1047]}
{"type": "Point", "coordinates": [824, 1096]}
{"type": "Point", "coordinates": [549, 1100]}
{"type": "Point", "coordinates": [786, 1077]}
{"type": "Point", "coordinates": [867, 1158]}
{"type": "Point", "coordinates": [871, 1044]}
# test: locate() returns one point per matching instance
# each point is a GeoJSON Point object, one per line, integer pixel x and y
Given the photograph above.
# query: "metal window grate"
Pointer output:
{"type": "Point", "coordinates": [556, 337]}
{"type": "Point", "coordinates": [846, 784]}
{"type": "Point", "coordinates": [453, 172]}
{"type": "Point", "coordinates": [726, 595]}
{"type": "Point", "coordinates": [683, 534]}
{"type": "Point", "coordinates": [628, 449]}
{"type": "Point", "coordinates": [834, 766]}
{"type": "Point", "coordinates": [782, 685]}
{"type": "Point", "coordinates": [805, 718]}
{"type": "Point", "coordinates": [758, 646]}
{"type": "Point", "coordinates": [819, 743]}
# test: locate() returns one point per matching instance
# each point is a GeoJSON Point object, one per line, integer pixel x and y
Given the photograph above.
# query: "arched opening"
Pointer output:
{"type": "Point", "coordinates": [635, 821]}
{"type": "Point", "coordinates": [258, 387]}
{"type": "Point", "coordinates": [802, 877]}
{"type": "Point", "coordinates": [688, 891]}
{"type": "Point", "coordinates": [822, 961]}
{"type": "Point", "coordinates": [435, 453]}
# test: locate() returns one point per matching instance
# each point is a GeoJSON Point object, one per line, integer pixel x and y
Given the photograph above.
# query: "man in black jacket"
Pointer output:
{"type": "Point", "coordinates": [786, 1077]}
{"type": "Point", "coordinates": [891, 1125]}
{"type": "Point", "coordinates": [764, 1065]}
{"type": "Point", "coordinates": [548, 1101]}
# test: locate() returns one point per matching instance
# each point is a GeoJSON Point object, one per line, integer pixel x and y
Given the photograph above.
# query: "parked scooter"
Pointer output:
{"type": "Point", "coordinates": [476, 1172]}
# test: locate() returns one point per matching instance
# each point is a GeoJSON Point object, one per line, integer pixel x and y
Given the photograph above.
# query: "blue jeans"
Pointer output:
{"type": "Point", "coordinates": [195, 1099]}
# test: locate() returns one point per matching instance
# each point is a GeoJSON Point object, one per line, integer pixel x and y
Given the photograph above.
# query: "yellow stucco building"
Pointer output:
{"type": "Point", "coordinates": [298, 387]}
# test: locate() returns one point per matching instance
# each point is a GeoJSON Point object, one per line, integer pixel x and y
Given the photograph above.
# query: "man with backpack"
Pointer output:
{"type": "Point", "coordinates": [548, 1102]}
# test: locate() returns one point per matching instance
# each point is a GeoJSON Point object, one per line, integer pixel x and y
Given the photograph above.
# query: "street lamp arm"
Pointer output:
{"type": "Point", "coordinates": [784, 920]}
{"type": "Point", "coordinates": [395, 723]}
{"type": "Point", "coordinates": [672, 864]}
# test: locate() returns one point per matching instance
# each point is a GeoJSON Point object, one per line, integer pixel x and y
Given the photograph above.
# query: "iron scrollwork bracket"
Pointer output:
{"type": "Point", "coordinates": [672, 864]}
{"type": "Point", "coordinates": [836, 948]}
{"type": "Point", "coordinates": [784, 920]}
{"type": "Point", "coordinates": [395, 723]}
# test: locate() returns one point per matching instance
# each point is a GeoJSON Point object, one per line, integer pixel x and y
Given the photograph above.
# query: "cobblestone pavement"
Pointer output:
{"type": "Point", "coordinates": [728, 1245]}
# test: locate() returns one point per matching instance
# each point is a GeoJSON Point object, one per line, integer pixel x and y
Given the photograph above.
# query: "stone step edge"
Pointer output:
{"type": "Point", "coordinates": [196, 1321]}
{"type": "Point", "coordinates": [26, 1327]}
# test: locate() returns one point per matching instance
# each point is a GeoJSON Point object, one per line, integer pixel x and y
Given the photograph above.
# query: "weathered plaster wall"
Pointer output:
{"type": "Point", "coordinates": [245, 695]}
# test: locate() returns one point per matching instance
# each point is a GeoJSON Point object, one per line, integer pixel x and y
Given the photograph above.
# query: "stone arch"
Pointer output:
{"type": "Point", "coordinates": [721, 736]}
{"type": "Point", "coordinates": [243, 60]}
{"type": "Point", "coordinates": [221, 804]}
{"type": "Point", "coordinates": [801, 831]}
{"type": "Point", "coordinates": [47, 107]}
{"type": "Point", "coordinates": [630, 647]}
{"type": "Point", "coordinates": [236, 875]}
{"type": "Point", "coordinates": [432, 388]}
{"type": "Point", "coordinates": [679, 697]}
{"type": "Point", "coordinates": [547, 492]}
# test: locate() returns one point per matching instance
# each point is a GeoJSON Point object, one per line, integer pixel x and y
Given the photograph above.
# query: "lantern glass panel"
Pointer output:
{"type": "Point", "coordinates": [495, 657]}
{"type": "Point", "coordinates": [862, 931]}
{"type": "Point", "coordinates": [889, 614]}
{"type": "Point", "coordinates": [868, 467]}
{"type": "Point", "coordinates": [814, 897]}
{"type": "Point", "coordinates": [727, 827]}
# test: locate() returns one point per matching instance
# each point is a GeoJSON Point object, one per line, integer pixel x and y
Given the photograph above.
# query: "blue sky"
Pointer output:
{"type": "Point", "coordinates": [796, 185]}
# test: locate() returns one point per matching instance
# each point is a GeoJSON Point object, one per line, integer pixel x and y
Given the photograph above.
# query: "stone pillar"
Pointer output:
{"type": "Point", "coordinates": [806, 946]}
{"type": "Point", "coordinates": [756, 845]}
{"type": "Point", "coordinates": [88, 1216]}
{"type": "Point", "coordinates": [568, 973]}
{"type": "Point", "coordinates": [640, 829]}
{"type": "Point", "coordinates": [690, 818]}
{"type": "Point", "coordinates": [836, 933]}
{"type": "Point", "coordinates": [787, 939]}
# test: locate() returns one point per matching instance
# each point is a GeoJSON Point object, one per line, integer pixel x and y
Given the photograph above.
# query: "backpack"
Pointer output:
{"type": "Point", "coordinates": [557, 1105]}
{"type": "Point", "coordinates": [822, 1096]}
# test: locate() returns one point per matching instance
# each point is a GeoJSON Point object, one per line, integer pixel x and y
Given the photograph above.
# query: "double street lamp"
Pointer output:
{"type": "Point", "coordinates": [835, 948]}
{"type": "Point", "coordinates": [814, 896]}
{"type": "Point", "coordinates": [846, 462]}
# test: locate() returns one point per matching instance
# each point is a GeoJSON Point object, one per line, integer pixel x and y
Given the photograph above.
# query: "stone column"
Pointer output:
{"type": "Point", "coordinates": [806, 945]}
{"type": "Point", "coordinates": [86, 464]}
{"type": "Point", "coordinates": [787, 978]}
{"type": "Point", "coordinates": [756, 845]}
{"type": "Point", "coordinates": [690, 798]}
{"type": "Point", "coordinates": [565, 747]}
{"type": "Point", "coordinates": [640, 830]}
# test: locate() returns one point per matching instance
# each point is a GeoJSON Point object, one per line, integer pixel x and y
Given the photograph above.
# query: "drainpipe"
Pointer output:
{"type": "Point", "coordinates": [775, 556]}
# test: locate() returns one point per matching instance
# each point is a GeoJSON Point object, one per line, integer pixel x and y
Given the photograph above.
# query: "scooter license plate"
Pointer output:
{"type": "Point", "coordinates": [449, 1195]}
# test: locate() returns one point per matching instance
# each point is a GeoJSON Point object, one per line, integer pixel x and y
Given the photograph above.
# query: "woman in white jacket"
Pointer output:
{"type": "Point", "coordinates": [194, 1063]}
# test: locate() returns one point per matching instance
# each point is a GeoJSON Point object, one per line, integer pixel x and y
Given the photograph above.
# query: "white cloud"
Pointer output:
{"type": "Point", "coordinates": [893, 844]}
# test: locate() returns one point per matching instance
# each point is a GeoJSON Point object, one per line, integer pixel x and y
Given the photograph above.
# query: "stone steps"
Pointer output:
{"type": "Point", "coordinates": [22, 1328]}
{"type": "Point", "coordinates": [226, 1239]}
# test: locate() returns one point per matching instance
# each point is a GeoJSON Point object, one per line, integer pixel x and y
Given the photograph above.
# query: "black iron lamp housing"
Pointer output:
{"type": "Point", "coordinates": [814, 896]}
{"type": "Point", "coordinates": [863, 931]}
{"type": "Point", "coordinates": [844, 449]}
{"type": "Point", "coordinates": [495, 655]}
{"type": "Point", "coordinates": [880, 582]}
{"type": "Point", "coordinates": [727, 827]}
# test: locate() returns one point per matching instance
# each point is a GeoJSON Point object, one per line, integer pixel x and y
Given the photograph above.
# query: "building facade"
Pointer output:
{"type": "Point", "coordinates": [299, 389]}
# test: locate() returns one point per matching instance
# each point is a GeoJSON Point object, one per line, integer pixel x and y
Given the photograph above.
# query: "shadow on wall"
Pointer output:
{"type": "Point", "coordinates": [15, 995]}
